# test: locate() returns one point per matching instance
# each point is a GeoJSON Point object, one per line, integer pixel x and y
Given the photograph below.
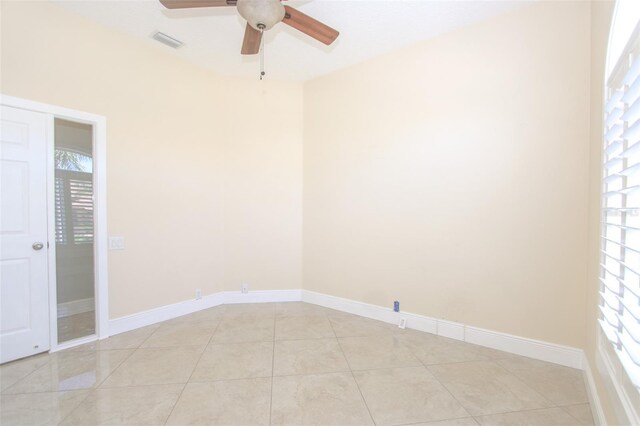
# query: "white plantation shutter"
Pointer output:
{"type": "Point", "coordinates": [61, 223]}
{"type": "Point", "coordinates": [81, 194]}
{"type": "Point", "coordinates": [74, 207]}
{"type": "Point", "coordinates": [620, 243]}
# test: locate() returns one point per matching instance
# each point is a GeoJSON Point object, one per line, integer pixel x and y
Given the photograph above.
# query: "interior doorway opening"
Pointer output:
{"type": "Point", "coordinates": [74, 230]}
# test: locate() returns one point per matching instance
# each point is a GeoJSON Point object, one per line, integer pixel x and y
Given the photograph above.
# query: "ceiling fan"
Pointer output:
{"type": "Point", "coordinates": [262, 15]}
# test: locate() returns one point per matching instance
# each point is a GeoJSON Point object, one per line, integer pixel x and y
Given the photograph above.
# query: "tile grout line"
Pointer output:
{"type": "Point", "coordinates": [352, 375]}
{"type": "Point", "coordinates": [4, 392]}
{"type": "Point", "coordinates": [273, 360]}
{"type": "Point", "coordinates": [524, 382]}
{"type": "Point", "coordinates": [192, 371]}
{"type": "Point", "coordinates": [94, 389]}
{"type": "Point", "coordinates": [445, 388]}
{"type": "Point", "coordinates": [426, 367]}
{"type": "Point", "coordinates": [525, 411]}
{"type": "Point", "coordinates": [437, 421]}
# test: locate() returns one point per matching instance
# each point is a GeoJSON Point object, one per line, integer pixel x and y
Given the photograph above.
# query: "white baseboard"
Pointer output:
{"type": "Point", "coordinates": [592, 393]}
{"type": "Point", "coordinates": [262, 296]}
{"type": "Point", "coordinates": [450, 329]}
{"type": "Point", "coordinates": [164, 313]}
{"type": "Point", "coordinates": [557, 354]}
{"type": "Point", "coordinates": [550, 352]}
{"type": "Point", "coordinates": [74, 307]}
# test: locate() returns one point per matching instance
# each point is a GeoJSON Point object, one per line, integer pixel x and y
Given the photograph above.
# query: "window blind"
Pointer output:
{"type": "Point", "coordinates": [620, 242]}
{"type": "Point", "coordinates": [74, 207]}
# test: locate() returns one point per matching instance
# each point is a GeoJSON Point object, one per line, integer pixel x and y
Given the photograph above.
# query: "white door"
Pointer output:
{"type": "Point", "coordinates": [24, 288]}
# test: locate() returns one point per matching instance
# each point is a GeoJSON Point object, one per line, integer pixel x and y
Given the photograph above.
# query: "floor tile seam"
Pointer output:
{"type": "Point", "coordinates": [90, 391]}
{"type": "Point", "coordinates": [524, 382]}
{"type": "Point", "coordinates": [432, 421]}
{"type": "Point", "coordinates": [454, 362]}
{"type": "Point", "coordinates": [154, 348]}
{"type": "Point", "coordinates": [46, 391]}
{"type": "Point", "coordinates": [173, 407]}
{"type": "Point", "coordinates": [521, 411]}
{"type": "Point", "coordinates": [4, 392]}
{"type": "Point", "coordinates": [276, 376]}
{"type": "Point", "coordinates": [204, 350]}
{"type": "Point", "coordinates": [176, 346]}
{"type": "Point", "coordinates": [273, 359]}
{"type": "Point", "coordinates": [446, 389]}
{"type": "Point", "coordinates": [312, 374]}
{"type": "Point", "coordinates": [562, 407]}
{"type": "Point", "coordinates": [363, 398]}
{"type": "Point", "coordinates": [25, 375]}
{"type": "Point", "coordinates": [354, 377]}
{"type": "Point", "coordinates": [305, 338]}
{"type": "Point", "coordinates": [94, 386]}
{"type": "Point", "coordinates": [520, 377]}
{"type": "Point", "coordinates": [165, 332]}
{"type": "Point", "coordinates": [323, 314]}
{"type": "Point", "coordinates": [344, 356]}
{"type": "Point", "coordinates": [191, 375]}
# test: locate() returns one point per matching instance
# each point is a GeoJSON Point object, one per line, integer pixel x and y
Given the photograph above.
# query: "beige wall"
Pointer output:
{"type": "Point", "coordinates": [175, 136]}
{"type": "Point", "coordinates": [263, 191]}
{"type": "Point", "coordinates": [453, 176]}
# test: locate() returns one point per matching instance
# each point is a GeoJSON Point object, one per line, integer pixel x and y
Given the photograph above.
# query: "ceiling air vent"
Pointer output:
{"type": "Point", "coordinates": [168, 40]}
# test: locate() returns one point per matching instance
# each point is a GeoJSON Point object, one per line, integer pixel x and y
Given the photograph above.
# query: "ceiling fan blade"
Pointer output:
{"type": "Point", "coordinates": [309, 26]}
{"type": "Point", "coordinates": [252, 39]}
{"type": "Point", "coordinates": [188, 4]}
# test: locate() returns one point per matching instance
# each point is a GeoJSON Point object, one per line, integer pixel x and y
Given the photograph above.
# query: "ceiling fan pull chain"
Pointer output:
{"type": "Point", "coordinates": [262, 73]}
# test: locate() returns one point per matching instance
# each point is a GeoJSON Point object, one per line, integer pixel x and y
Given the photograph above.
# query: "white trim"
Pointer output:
{"type": "Point", "coordinates": [51, 231]}
{"type": "Point", "coordinates": [544, 351]}
{"type": "Point", "coordinates": [592, 393]}
{"type": "Point", "coordinates": [262, 296]}
{"type": "Point", "coordinates": [73, 343]}
{"type": "Point", "coordinates": [557, 354]}
{"type": "Point", "coordinates": [163, 313]}
{"type": "Point", "coordinates": [452, 330]}
{"type": "Point", "coordinates": [99, 124]}
{"type": "Point", "coordinates": [613, 376]}
{"type": "Point", "coordinates": [75, 307]}
{"type": "Point", "coordinates": [550, 352]}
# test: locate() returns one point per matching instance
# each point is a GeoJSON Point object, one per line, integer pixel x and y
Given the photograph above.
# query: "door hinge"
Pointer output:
{"type": "Point", "coordinates": [47, 245]}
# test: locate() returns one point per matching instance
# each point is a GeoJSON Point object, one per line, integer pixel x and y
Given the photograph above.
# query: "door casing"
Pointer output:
{"type": "Point", "coordinates": [99, 124]}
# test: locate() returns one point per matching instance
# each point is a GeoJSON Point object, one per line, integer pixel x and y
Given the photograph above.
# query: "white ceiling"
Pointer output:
{"type": "Point", "coordinates": [368, 28]}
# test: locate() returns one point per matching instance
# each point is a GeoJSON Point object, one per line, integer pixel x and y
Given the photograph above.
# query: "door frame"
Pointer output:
{"type": "Point", "coordinates": [101, 292]}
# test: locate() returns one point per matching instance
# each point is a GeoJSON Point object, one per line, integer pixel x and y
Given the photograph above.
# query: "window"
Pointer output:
{"type": "Point", "coordinates": [74, 198]}
{"type": "Point", "coordinates": [619, 342]}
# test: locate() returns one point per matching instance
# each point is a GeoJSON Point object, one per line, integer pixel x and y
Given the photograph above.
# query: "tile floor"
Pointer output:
{"type": "Point", "coordinates": [75, 326]}
{"type": "Point", "coordinates": [287, 363]}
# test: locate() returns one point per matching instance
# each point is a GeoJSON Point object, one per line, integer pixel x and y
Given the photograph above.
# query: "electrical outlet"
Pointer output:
{"type": "Point", "coordinates": [116, 243]}
{"type": "Point", "coordinates": [403, 323]}
{"type": "Point", "coordinates": [198, 294]}
{"type": "Point", "coordinates": [244, 288]}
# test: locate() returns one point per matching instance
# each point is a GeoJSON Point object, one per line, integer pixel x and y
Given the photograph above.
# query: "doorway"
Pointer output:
{"type": "Point", "coordinates": [74, 232]}
{"type": "Point", "coordinates": [53, 273]}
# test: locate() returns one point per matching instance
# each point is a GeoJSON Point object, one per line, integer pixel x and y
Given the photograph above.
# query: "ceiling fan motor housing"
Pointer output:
{"type": "Point", "coordinates": [261, 14]}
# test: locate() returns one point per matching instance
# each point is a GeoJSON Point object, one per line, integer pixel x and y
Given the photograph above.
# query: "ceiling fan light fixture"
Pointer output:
{"type": "Point", "coordinates": [261, 14]}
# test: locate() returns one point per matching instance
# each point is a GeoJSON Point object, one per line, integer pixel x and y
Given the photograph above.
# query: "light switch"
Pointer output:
{"type": "Point", "coordinates": [116, 243]}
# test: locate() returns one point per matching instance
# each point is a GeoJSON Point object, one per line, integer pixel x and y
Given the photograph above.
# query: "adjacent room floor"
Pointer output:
{"type": "Point", "coordinates": [287, 363]}
{"type": "Point", "coordinates": [76, 326]}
